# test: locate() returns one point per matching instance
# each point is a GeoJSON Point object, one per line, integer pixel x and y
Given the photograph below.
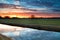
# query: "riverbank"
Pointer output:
{"type": "Point", "coordinates": [2, 37]}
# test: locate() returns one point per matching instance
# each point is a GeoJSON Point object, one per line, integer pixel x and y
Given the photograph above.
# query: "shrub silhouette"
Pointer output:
{"type": "Point", "coordinates": [14, 17]}
{"type": "Point", "coordinates": [0, 16]}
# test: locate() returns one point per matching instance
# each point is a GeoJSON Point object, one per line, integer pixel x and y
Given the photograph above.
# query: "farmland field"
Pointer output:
{"type": "Point", "coordinates": [53, 22]}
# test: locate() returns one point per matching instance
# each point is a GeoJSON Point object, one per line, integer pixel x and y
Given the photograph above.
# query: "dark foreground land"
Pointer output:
{"type": "Point", "coordinates": [2, 37]}
{"type": "Point", "coordinates": [41, 24]}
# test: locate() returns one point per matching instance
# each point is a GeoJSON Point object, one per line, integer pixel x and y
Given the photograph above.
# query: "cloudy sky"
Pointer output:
{"type": "Point", "coordinates": [49, 5]}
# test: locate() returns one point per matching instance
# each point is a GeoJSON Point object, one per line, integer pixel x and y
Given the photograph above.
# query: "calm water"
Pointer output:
{"type": "Point", "coordinates": [32, 34]}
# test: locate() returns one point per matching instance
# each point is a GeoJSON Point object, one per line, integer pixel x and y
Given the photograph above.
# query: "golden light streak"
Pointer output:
{"type": "Point", "coordinates": [7, 10]}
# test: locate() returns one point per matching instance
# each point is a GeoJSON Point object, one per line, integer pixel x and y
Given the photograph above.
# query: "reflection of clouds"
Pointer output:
{"type": "Point", "coordinates": [32, 34]}
{"type": "Point", "coordinates": [7, 28]}
{"type": "Point", "coordinates": [11, 34]}
{"type": "Point", "coordinates": [18, 32]}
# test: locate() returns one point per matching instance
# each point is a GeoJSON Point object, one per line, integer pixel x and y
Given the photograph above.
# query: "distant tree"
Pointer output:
{"type": "Point", "coordinates": [7, 17]}
{"type": "Point", "coordinates": [32, 16]}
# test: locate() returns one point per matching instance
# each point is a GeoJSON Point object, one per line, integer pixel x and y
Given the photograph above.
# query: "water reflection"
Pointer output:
{"type": "Point", "coordinates": [32, 34]}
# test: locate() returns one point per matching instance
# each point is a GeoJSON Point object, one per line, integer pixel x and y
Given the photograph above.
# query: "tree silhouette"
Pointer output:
{"type": "Point", "coordinates": [7, 17]}
{"type": "Point", "coordinates": [32, 16]}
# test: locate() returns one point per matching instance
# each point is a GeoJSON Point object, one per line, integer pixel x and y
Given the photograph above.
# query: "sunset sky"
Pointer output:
{"type": "Point", "coordinates": [39, 8]}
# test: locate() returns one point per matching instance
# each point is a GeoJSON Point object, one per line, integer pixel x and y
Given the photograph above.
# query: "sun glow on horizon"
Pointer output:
{"type": "Point", "coordinates": [26, 13]}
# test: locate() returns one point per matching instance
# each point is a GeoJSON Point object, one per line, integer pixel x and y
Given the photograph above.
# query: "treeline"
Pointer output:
{"type": "Point", "coordinates": [32, 17]}
{"type": "Point", "coordinates": [7, 17]}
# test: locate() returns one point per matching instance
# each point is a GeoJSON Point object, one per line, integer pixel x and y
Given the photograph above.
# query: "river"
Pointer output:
{"type": "Point", "coordinates": [32, 34]}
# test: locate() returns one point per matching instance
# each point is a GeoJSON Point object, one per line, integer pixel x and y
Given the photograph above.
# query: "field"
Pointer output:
{"type": "Point", "coordinates": [52, 22]}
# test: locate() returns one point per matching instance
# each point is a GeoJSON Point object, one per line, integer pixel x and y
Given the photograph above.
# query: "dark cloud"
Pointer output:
{"type": "Point", "coordinates": [47, 3]}
{"type": "Point", "coordinates": [53, 4]}
{"type": "Point", "coordinates": [17, 0]}
{"type": "Point", "coordinates": [38, 3]}
{"type": "Point", "coordinates": [55, 10]}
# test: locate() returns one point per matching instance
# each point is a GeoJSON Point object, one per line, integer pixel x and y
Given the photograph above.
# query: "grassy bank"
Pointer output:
{"type": "Point", "coordinates": [54, 22]}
